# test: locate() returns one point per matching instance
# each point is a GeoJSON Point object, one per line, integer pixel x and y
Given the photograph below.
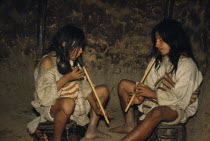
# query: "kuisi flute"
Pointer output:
{"type": "Point", "coordinates": [93, 88]}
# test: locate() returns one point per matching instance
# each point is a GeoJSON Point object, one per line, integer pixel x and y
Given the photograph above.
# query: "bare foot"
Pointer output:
{"type": "Point", "coordinates": [122, 129]}
{"type": "Point", "coordinates": [95, 134]}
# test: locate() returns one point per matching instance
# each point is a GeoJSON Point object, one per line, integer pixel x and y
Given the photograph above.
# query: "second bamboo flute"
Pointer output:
{"type": "Point", "coordinates": [96, 96]}
{"type": "Point", "coordinates": [142, 80]}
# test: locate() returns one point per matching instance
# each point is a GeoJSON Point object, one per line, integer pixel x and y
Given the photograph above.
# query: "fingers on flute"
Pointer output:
{"type": "Point", "coordinates": [136, 92]}
{"type": "Point", "coordinates": [80, 73]}
{"type": "Point", "coordinates": [136, 100]}
{"type": "Point", "coordinates": [129, 99]}
{"type": "Point", "coordinates": [75, 68]}
{"type": "Point", "coordinates": [130, 93]}
{"type": "Point", "coordinates": [107, 114]}
{"type": "Point", "coordinates": [98, 111]}
{"type": "Point", "coordinates": [141, 85]}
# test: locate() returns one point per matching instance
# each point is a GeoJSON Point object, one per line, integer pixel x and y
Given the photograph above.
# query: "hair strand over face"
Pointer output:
{"type": "Point", "coordinates": [66, 40]}
{"type": "Point", "coordinates": [73, 38]}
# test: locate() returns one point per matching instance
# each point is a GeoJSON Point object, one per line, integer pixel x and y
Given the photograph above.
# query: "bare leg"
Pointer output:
{"type": "Point", "coordinates": [152, 119]}
{"type": "Point", "coordinates": [124, 87]}
{"type": "Point", "coordinates": [92, 131]}
{"type": "Point", "coordinates": [61, 111]}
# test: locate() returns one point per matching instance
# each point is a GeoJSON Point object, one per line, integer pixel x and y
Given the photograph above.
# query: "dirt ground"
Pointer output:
{"type": "Point", "coordinates": [15, 115]}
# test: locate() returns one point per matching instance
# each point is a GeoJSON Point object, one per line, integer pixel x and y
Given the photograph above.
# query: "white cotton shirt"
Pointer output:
{"type": "Point", "coordinates": [187, 79]}
{"type": "Point", "coordinates": [46, 94]}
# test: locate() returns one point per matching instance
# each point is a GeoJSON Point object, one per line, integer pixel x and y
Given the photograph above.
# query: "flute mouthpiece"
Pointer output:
{"type": "Point", "coordinates": [80, 61]}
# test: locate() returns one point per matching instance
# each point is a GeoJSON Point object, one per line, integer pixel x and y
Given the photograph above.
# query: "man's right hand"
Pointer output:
{"type": "Point", "coordinates": [137, 99]}
{"type": "Point", "coordinates": [99, 112]}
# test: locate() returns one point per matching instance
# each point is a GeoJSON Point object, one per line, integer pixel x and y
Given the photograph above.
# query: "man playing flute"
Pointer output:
{"type": "Point", "coordinates": [61, 94]}
{"type": "Point", "coordinates": [169, 94]}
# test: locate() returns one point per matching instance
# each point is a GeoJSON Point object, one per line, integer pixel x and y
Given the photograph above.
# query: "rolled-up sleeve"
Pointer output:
{"type": "Point", "coordinates": [45, 86]}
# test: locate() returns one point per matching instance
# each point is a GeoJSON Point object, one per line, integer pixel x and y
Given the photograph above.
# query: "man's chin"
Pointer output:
{"type": "Point", "coordinates": [163, 53]}
{"type": "Point", "coordinates": [73, 59]}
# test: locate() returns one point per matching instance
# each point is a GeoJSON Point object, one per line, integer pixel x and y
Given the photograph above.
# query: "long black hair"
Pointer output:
{"type": "Point", "coordinates": [173, 34]}
{"type": "Point", "coordinates": [74, 38]}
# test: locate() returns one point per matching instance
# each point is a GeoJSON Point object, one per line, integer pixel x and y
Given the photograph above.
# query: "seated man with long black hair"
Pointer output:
{"type": "Point", "coordinates": [169, 93]}
{"type": "Point", "coordinates": [61, 89]}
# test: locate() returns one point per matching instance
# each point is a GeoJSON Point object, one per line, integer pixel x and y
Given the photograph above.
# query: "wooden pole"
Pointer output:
{"type": "Point", "coordinates": [169, 9]}
{"type": "Point", "coordinates": [41, 27]}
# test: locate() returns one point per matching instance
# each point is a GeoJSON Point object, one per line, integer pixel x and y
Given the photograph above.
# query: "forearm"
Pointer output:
{"type": "Point", "coordinates": [154, 95]}
{"type": "Point", "coordinates": [60, 83]}
{"type": "Point", "coordinates": [147, 93]}
{"type": "Point", "coordinates": [75, 74]}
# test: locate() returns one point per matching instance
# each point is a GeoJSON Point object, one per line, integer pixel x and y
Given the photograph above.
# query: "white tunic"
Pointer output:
{"type": "Point", "coordinates": [46, 94]}
{"type": "Point", "coordinates": [187, 80]}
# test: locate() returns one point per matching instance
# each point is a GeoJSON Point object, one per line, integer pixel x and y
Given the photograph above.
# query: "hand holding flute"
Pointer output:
{"type": "Point", "coordinates": [141, 92]}
{"type": "Point", "coordinates": [137, 89]}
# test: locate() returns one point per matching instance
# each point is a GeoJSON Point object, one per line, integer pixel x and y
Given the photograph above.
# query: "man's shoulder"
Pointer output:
{"type": "Point", "coordinates": [187, 62]}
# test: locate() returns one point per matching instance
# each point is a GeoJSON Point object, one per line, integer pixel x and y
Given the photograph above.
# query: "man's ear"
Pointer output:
{"type": "Point", "coordinates": [63, 44]}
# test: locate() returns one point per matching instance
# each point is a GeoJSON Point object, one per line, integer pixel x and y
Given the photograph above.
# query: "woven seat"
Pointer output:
{"type": "Point", "coordinates": [165, 132]}
{"type": "Point", "coordinates": [169, 133]}
{"type": "Point", "coordinates": [72, 132]}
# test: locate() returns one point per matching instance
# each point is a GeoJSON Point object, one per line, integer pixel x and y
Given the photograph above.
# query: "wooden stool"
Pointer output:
{"type": "Point", "coordinates": [72, 132]}
{"type": "Point", "coordinates": [169, 133]}
{"type": "Point", "coordinates": [164, 132]}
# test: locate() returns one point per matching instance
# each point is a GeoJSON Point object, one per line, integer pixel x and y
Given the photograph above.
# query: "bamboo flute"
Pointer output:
{"type": "Point", "coordinates": [142, 80]}
{"type": "Point", "coordinates": [94, 91]}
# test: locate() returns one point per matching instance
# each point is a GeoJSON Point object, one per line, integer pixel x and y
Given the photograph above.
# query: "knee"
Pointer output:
{"type": "Point", "coordinates": [121, 84]}
{"type": "Point", "coordinates": [104, 92]}
{"type": "Point", "coordinates": [67, 105]}
{"type": "Point", "coordinates": [155, 114]}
